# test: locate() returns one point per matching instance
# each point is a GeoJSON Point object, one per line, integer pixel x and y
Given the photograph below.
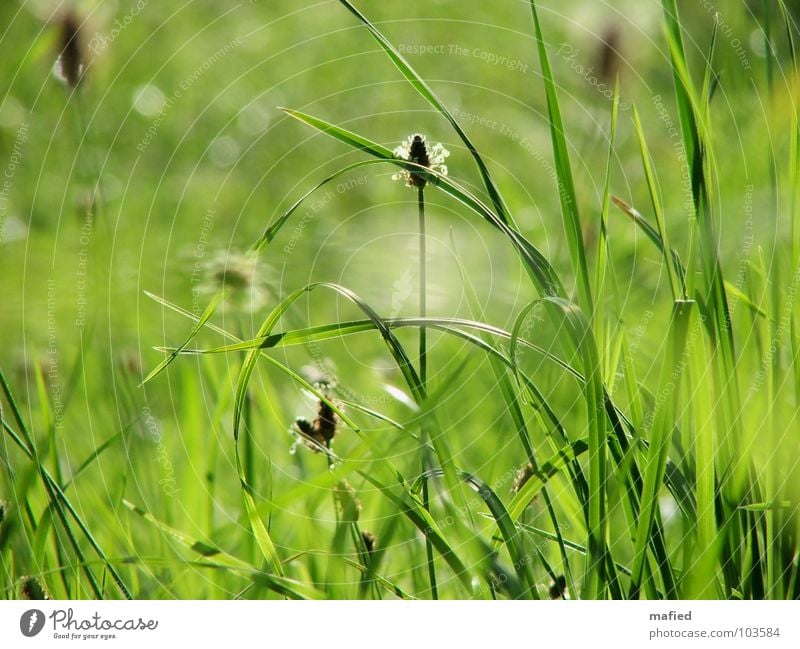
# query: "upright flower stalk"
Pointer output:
{"type": "Point", "coordinates": [423, 289]}
{"type": "Point", "coordinates": [415, 149]}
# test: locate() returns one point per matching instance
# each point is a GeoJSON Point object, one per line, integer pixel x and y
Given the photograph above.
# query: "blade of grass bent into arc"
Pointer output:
{"type": "Point", "coordinates": [515, 410]}
{"type": "Point", "coordinates": [512, 537]}
{"type": "Point", "coordinates": [425, 91]}
{"type": "Point", "coordinates": [543, 274]}
{"type": "Point", "coordinates": [423, 521]}
{"type": "Point", "coordinates": [451, 326]}
{"type": "Point", "coordinates": [579, 330]}
{"type": "Point", "coordinates": [279, 584]}
{"type": "Point", "coordinates": [56, 494]}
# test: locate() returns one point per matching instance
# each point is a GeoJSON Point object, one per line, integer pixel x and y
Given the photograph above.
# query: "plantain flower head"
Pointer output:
{"type": "Point", "coordinates": [415, 149]}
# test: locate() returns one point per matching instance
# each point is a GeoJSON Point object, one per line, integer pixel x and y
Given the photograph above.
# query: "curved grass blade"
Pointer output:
{"type": "Point", "coordinates": [56, 494]}
{"type": "Point", "coordinates": [425, 91]}
{"type": "Point", "coordinates": [423, 521]}
{"type": "Point", "coordinates": [655, 236]}
{"type": "Point", "coordinates": [536, 264]}
{"type": "Point", "coordinates": [451, 326]}
{"type": "Point", "coordinates": [579, 330]}
{"type": "Point", "coordinates": [505, 524]}
{"type": "Point", "coordinates": [277, 583]}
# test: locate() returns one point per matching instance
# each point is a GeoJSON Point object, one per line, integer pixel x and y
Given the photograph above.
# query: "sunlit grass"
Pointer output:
{"type": "Point", "coordinates": [551, 450]}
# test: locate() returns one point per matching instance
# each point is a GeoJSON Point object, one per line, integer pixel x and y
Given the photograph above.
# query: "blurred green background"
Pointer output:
{"type": "Point", "coordinates": [178, 116]}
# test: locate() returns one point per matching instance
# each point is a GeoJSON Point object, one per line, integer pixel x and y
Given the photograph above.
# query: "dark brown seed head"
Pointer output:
{"type": "Point", "coordinates": [32, 589]}
{"type": "Point", "coordinates": [322, 430]}
{"type": "Point", "coordinates": [558, 587]}
{"type": "Point", "coordinates": [369, 541]}
{"type": "Point", "coordinates": [325, 422]}
{"type": "Point", "coordinates": [304, 426]}
{"type": "Point", "coordinates": [418, 153]}
{"type": "Point", "coordinates": [523, 475]}
{"type": "Point", "coordinates": [609, 55]}
{"type": "Point", "coordinates": [71, 57]}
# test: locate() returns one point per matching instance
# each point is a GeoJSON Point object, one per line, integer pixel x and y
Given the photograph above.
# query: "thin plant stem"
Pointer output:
{"type": "Point", "coordinates": [428, 546]}
{"type": "Point", "coordinates": [423, 371]}
{"type": "Point", "coordinates": [423, 342]}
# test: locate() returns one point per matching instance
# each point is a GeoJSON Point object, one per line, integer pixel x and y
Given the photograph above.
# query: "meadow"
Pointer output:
{"type": "Point", "coordinates": [449, 300]}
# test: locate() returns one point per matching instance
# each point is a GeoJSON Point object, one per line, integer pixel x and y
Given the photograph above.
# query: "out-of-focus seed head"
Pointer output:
{"type": "Point", "coordinates": [370, 541]}
{"type": "Point", "coordinates": [523, 475]}
{"type": "Point", "coordinates": [558, 589]}
{"type": "Point", "coordinates": [238, 274]}
{"type": "Point", "coordinates": [71, 63]}
{"type": "Point", "coordinates": [31, 588]}
{"type": "Point", "coordinates": [609, 54]}
{"type": "Point", "coordinates": [347, 502]}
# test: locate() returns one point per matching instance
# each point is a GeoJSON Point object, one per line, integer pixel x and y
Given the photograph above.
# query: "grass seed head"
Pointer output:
{"type": "Point", "coordinates": [417, 150]}
{"type": "Point", "coordinates": [609, 56]}
{"type": "Point", "coordinates": [238, 275]}
{"type": "Point", "coordinates": [370, 541]}
{"type": "Point", "coordinates": [318, 434]}
{"type": "Point", "coordinates": [347, 501]}
{"type": "Point", "coordinates": [523, 475]}
{"type": "Point", "coordinates": [32, 589]}
{"type": "Point", "coordinates": [558, 589]}
{"type": "Point", "coordinates": [72, 56]}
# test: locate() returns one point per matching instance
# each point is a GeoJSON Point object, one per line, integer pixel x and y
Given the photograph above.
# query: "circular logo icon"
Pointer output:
{"type": "Point", "coordinates": [31, 622]}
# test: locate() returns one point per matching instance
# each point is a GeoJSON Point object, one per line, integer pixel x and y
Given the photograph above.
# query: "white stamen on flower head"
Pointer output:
{"type": "Point", "coordinates": [415, 149]}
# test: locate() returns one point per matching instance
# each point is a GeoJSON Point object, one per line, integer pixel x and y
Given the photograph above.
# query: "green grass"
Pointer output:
{"type": "Point", "coordinates": [570, 361]}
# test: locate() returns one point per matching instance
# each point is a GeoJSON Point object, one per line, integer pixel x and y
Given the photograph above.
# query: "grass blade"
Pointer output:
{"type": "Point", "coordinates": [566, 185]}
